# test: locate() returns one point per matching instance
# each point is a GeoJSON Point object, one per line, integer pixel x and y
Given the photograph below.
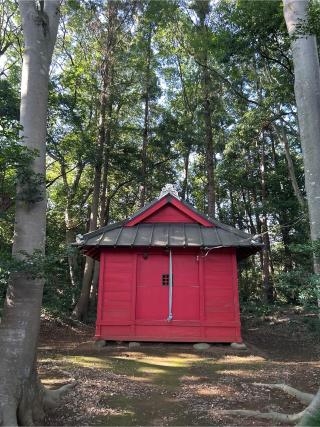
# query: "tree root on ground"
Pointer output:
{"type": "Point", "coordinates": [35, 400]}
{"type": "Point", "coordinates": [299, 395]}
{"type": "Point", "coordinates": [51, 398]}
{"type": "Point", "coordinates": [276, 416]}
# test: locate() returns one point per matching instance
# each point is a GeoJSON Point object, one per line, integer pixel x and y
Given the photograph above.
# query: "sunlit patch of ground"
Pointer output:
{"type": "Point", "coordinates": [250, 359]}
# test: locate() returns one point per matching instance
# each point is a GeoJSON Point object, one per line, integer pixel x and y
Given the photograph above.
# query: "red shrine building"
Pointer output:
{"type": "Point", "coordinates": [168, 273]}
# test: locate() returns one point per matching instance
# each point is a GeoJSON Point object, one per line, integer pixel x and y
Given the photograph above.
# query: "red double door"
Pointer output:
{"type": "Point", "coordinates": [152, 294]}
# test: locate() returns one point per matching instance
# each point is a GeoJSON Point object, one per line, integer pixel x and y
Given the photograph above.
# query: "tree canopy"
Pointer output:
{"type": "Point", "coordinates": [199, 94]}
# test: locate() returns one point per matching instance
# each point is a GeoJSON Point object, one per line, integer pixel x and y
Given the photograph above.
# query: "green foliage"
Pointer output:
{"type": "Point", "coordinates": [297, 287]}
{"type": "Point", "coordinates": [58, 294]}
{"type": "Point", "coordinates": [257, 309]}
{"type": "Point", "coordinates": [312, 27]}
{"type": "Point", "coordinates": [9, 101]}
{"type": "Point", "coordinates": [15, 162]}
{"type": "Point", "coordinates": [164, 50]}
{"type": "Point", "coordinates": [16, 167]}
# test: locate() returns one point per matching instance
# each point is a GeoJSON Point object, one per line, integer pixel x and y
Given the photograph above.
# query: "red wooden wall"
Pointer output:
{"type": "Point", "coordinates": [133, 304]}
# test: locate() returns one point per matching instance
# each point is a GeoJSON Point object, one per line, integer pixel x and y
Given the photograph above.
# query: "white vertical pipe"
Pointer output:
{"type": "Point", "coordinates": [170, 287]}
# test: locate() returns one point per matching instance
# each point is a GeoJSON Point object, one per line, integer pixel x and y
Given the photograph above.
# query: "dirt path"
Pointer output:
{"type": "Point", "coordinates": [166, 384]}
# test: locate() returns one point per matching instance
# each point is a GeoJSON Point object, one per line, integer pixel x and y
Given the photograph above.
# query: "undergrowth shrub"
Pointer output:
{"type": "Point", "coordinates": [58, 294]}
{"type": "Point", "coordinates": [297, 287]}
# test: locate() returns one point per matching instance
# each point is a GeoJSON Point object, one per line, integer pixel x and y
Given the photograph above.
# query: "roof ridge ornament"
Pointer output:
{"type": "Point", "coordinates": [79, 238]}
{"type": "Point", "coordinates": [169, 189]}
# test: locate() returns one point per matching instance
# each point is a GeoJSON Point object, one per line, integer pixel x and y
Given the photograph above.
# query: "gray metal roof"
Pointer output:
{"type": "Point", "coordinates": [168, 235]}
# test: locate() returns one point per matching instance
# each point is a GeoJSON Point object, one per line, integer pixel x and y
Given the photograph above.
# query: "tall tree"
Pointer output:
{"type": "Point", "coordinates": [146, 120]}
{"type": "Point", "coordinates": [106, 66]}
{"type": "Point", "coordinates": [307, 93]}
{"type": "Point", "coordinates": [202, 9]}
{"type": "Point", "coordinates": [22, 397]}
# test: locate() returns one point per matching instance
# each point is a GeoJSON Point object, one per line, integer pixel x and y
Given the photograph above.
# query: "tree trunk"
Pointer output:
{"type": "Point", "coordinates": [70, 229]}
{"type": "Point", "coordinates": [202, 9]}
{"type": "Point", "coordinates": [145, 137]}
{"type": "Point", "coordinates": [307, 93]}
{"type": "Point", "coordinates": [72, 261]}
{"type": "Point", "coordinates": [258, 222]}
{"type": "Point", "coordinates": [233, 216]}
{"type": "Point", "coordinates": [184, 192]}
{"type": "Point", "coordinates": [311, 415]}
{"type": "Point", "coordinates": [282, 137]}
{"type": "Point", "coordinates": [21, 394]}
{"type": "Point", "coordinates": [105, 171]}
{"type": "Point", "coordinates": [267, 283]}
{"type": "Point", "coordinates": [81, 308]}
{"type": "Point", "coordinates": [104, 209]}
{"type": "Point", "coordinates": [94, 288]}
{"type": "Point", "coordinates": [266, 252]}
{"type": "Point", "coordinates": [247, 206]}
{"type": "Point", "coordinates": [144, 152]}
{"type": "Point", "coordinates": [107, 210]}
{"type": "Point", "coordinates": [209, 151]}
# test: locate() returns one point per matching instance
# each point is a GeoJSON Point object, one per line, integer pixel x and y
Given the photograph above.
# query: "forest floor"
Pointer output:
{"type": "Point", "coordinates": [173, 384]}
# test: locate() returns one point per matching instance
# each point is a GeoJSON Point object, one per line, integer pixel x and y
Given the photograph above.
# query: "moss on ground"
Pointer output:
{"type": "Point", "coordinates": [155, 410]}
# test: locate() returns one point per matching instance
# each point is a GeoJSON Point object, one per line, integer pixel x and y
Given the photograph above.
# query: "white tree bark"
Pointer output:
{"type": "Point", "coordinates": [311, 415]}
{"type": "Point", "coordinates": [278, 416]}
{"type": "Point", "coordinates": [21, 394]}
{"type": "Point", "coordinates": [307, 93]}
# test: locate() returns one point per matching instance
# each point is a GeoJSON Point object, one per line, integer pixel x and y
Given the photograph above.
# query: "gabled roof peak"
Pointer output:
{"type": "Point", "coordinates": [173, 200]}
